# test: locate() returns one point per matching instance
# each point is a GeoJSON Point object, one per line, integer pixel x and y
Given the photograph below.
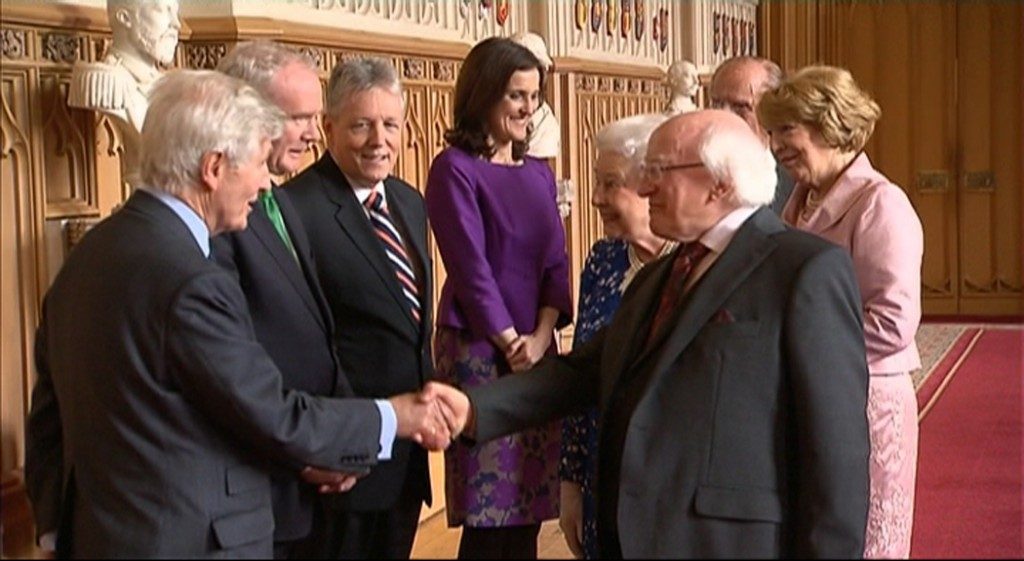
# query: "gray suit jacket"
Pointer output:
{"type": "Point", "coordinates": [749, 437]}
{"type": "Point", "coordinates": [156, 412]}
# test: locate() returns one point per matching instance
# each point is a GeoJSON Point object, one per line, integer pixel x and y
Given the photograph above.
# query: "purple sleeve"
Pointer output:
{"type": "Point", "coordinates": [555, 291]}
{"type": "Point", "coordinates": [459, 231]}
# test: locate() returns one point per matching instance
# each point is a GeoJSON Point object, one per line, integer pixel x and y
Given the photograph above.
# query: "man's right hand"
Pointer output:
{"type": "Point", "coordinates": [328, 481]}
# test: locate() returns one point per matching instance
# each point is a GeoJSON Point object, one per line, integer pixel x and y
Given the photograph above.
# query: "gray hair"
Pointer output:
{"type": "Point", "coordinates": [192, 112]}
{"type": "Point", "coordinates": [256, 62]}
{"type": "Point", "coordinates": [358, 75]}
{"type": "Point", "coordinates": [736, 156]}
{"type": "Point", "coordinates": [773, 73]}
{"type": "Point", "coordinates": [629, 136]}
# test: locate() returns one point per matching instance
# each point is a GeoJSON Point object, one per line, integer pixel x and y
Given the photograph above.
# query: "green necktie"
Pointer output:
{"type": "Point", "coordinates": [274, 214]}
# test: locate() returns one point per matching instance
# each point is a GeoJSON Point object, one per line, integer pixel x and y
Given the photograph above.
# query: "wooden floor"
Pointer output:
{"type": "Point", "coordinates": [434, 540]}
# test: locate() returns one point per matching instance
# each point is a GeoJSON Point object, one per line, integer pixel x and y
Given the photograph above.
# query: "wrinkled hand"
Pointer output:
{"type": "Point", "coordinates": [328, 481]}
{"type": "Point", "coordinates": [570, 518]}
{"type": "Point", "coordinates": [526, 351]}
{"type": "Point", "coordinates": [421, 420]}
{"type": "Point", "coordinates": [453, 405]}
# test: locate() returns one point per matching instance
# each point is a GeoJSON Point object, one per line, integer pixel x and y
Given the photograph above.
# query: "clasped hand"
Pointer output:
{"type": "Point", "coordinates": [432, 417]}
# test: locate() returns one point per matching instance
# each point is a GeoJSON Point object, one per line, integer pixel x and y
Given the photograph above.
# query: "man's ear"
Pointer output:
{"type": "Point", "coordinates": [720, 190]}
{"type": "Point", "coordinates": [212, 167]}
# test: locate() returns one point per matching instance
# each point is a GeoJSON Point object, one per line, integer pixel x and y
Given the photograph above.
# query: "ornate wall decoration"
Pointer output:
{"type": "Point", "coordinates": [727, 29]}
{"type": "Point", "coordinates": [453, 20]}
{"type": "Point", "coordinates": [444, 71]}
{"type": "Point", "coordinates": [204, 55]}
{"type": "Point", "coordinates": [414, 69]}
{"type": "Point", "coordinates": [67, 175]}
{"type": "Point", "coordinates": [12, 43]}
{"type": "Point", "coordinates": [61, 48]}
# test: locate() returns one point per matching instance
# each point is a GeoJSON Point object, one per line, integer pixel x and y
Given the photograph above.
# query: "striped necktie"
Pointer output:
{"type": "Point", "coordinates": [395, 250]}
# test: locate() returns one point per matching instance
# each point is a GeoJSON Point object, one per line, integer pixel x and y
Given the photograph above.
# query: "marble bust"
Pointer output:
{"type": "Point", "coordinates": [144, 38]}
{"type": "Point", "coordinates": [546, 139]}
{"type": "Point", "coordinates": [683, 81]}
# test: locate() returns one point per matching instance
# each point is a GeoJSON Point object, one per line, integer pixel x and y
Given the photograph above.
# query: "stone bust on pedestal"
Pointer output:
{"type": "Point", "coordinates": [144, 38]}
{"type": "Point", "coordinates": [683, 81]}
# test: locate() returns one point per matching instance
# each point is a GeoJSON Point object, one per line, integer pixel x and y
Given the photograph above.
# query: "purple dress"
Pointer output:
{"type": "Point", "coordinates": [503, 247]}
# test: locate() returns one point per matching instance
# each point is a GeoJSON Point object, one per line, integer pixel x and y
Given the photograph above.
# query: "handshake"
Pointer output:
{"type": "Point", "coordinates": [433, 417]}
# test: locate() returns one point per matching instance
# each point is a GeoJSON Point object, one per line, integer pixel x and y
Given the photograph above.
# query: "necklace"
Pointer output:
{"type": "Point", "coordinates": [635, 263]}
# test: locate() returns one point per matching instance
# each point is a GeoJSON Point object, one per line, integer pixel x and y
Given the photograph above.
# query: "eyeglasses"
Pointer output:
{"type": "Point", "coordinates": [654, 173]}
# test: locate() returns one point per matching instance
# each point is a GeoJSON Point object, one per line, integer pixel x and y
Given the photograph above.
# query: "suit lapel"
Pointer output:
{"type": "Point", "coordinates": [353, 221]}
{"type": "Point", "coordinates": [745, 252]}
{"type": "Point", "coordinates": [633, 322]}
{"type": "Point", "coordinates": [302, 275]}
{"type": "Point", "coordinates": [265, 232]}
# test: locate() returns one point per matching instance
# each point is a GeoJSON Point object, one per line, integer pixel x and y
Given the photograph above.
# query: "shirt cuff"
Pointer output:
{"type": "Point", "coordinates": [388, 428]}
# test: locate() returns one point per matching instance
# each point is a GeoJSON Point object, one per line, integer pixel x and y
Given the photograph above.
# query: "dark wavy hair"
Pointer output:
{"type": "Point", "coordinates": [483, 77]}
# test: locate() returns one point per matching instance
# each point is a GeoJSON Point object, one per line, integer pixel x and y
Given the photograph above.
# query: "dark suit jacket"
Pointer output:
{"type": "Point", "coordinates": [783, 188]}
{"type": "Point", "coordinates": [294, 325]}
{"type": "Point", "coordinates": [749, 437]}
{"type": "Point", "coordinates": [381, 348]}
{"type": "Point", "coordinates": [156, 409]}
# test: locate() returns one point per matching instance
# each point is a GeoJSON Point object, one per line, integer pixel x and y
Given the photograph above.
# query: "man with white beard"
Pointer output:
{"type": "Point", "coordinates": [145, 36]}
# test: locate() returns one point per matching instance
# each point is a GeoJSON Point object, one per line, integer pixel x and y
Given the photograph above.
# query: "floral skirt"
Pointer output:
{"type": "Point", "coordinates": [509, 481]}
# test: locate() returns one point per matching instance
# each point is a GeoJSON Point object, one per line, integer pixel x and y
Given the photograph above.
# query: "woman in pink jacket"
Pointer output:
{"type": "Point", "coordinates": [819, 121]}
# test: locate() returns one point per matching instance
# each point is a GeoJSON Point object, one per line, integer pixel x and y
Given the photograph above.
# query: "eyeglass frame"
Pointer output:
{"type": "Point", "coordinates": [647, 170]}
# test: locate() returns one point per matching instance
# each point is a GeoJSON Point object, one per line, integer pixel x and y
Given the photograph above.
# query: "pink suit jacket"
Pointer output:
{"type": "Point", "coordinates": [873, 219]}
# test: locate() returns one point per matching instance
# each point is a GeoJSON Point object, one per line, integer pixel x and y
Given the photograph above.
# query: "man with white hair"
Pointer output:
{"type": "Point", "coordinates": [274, 264]}
{"type": "Point", "coordinates": [156, 413]}
{"type": "Point", "coordinates": [732, 381]}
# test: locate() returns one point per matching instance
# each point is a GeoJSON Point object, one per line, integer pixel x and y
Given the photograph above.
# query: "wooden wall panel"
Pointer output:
{"type": "Point", "coordinates": [989, 121]}
{"type": "Point", "coordinates": [19, 234]}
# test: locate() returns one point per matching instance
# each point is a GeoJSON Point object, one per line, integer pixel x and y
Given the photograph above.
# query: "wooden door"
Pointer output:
{"type": "Point", "coordinates": [948, 78]}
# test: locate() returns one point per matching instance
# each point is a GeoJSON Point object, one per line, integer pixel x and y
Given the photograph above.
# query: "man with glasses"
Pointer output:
{"type": "Point", "coordinates": [732, 381]}
{"type": "Point", "coordinates": [737, 85]}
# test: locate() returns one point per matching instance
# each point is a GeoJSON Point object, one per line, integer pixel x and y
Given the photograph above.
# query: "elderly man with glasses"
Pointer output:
{"type": "Point", "coordinates": [731, 382]}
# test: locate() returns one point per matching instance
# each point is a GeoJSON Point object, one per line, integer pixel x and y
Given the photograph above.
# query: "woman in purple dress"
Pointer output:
{"type": "Point", "coordinates": [493, 213]}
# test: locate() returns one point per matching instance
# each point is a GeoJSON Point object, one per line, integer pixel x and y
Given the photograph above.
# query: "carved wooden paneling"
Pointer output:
{"type": "Point", "coordinates": [66, 147]}
{"type": "Point", "coordinates": [19, 235]}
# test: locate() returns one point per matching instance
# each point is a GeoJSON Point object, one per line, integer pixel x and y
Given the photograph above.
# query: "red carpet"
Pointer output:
{"type": "Point", "coordinates": [969, 482]}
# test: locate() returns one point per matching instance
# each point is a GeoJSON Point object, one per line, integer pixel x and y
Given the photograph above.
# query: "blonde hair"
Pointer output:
{"type": "Point", "coordinates": [826, 98]}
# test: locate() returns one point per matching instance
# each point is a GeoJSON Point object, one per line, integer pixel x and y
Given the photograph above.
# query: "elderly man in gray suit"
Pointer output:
{"type": "Point", "coordinates": [157, 414]}
{"type": "Point", "coordinates": [732, 382]}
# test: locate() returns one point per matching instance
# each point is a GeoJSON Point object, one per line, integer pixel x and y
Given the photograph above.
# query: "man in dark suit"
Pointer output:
{"type": "Point", "coordinates": [273, 263]}
{"type": "Point", "coordinates": [737, 85]}
{"type": "Point", "coordinates": [368, 232]}
{"type": "Point", "coordinates": [732, 382]}
{"type": "Point", "coordinates": [156, 412]}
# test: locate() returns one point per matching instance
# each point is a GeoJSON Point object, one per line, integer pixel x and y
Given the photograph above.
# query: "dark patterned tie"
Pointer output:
{"type": "Point", "coordinates": [392, 241]}
{"type": "Point", "coordinates": [686, 259]}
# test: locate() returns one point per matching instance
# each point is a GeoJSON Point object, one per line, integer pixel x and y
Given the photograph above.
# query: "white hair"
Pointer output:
{"type": "Point", "coordinates": [735, 156]}
{"type": "Point", "coordinates": [256, 62]}
{"type": "Point", "coordinates": [629, 136]}
{"type": "Point", "coordinates": [192, 112]}
{"type": "Point", "coordinates": [358, 75]}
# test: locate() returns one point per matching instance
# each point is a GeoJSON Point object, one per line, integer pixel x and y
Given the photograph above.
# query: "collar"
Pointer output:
{"type": "Point", "coordinates": [188, 215]}
{"type": "Point", "coordinates": [363, 191]}
{"type": "Point", "coordinates": [717, 237]}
